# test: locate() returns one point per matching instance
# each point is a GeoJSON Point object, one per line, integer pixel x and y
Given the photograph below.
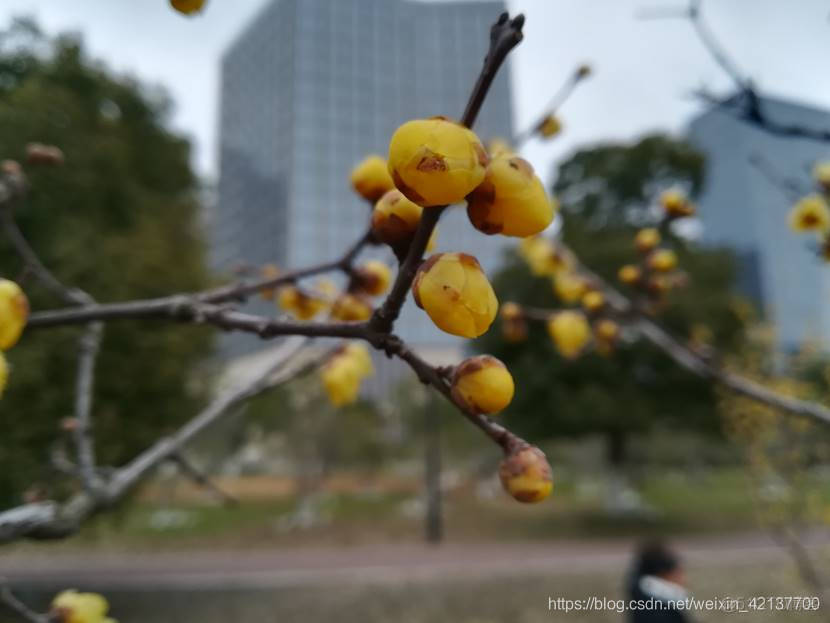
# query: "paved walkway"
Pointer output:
{"type": "Point", "coordinates": [376, 563]}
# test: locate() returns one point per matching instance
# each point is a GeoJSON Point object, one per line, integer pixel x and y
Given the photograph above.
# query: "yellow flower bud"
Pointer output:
{"type": "Point", "coordinates": [549, 126]}
{"type": "Point", "coordinates": [188, 7]}
{"type": "Point", "coordinates": [298, 303]}
{"type": "Point", "coordinates": [370, 179]}
{"type": "Point", "coordinates": [436, 161]}
{"type": "Point", "coordinates": [482, 385]}
{"type": "Point", "coordinates": [4, 373]}
{"type": "Point", "coordinates": [526, 475]}
{"type": "Point", "coordinates": [629, 274]}
{"type": "Point", "coordinates": [395, 218]}
{"type": "Point", "coordinates": [326, 288]}
{"type": "Point", "coordinates": [606, 334]}
{"type": "Point", "coordinates": [675, 203]}
{"type": "Point", "coordinates": [344, 371]}
{"type": "Point", "coordinates": [513, 323]}
{"type": "Point", "coordinates": [455, 293]}
{"type": "Point", "coordinates": [568, 286]}
{"type": "Point", "coordinates": [74, 607]}
{"type": "Point", "coordinates": [269, 271]}
{"type": "Point", "coordinates": [583, 71]}
{"type": "Point", "coordinates": [662, 260]}
{"type": "Point", "coordinates": [14, 312]}
{"type": "Point", "coordinates": [511, 200]}
{"type": "Point", "coordinates": [810, 214]}
{"type": "Point", "coordinates": [821, 173]}
{"type": "Point", "coordinates": [593, 301]}
{"type": "Point", "coordinates": [570, 332]}
{"type": "Point", "coordinates": [351, 308]}
{"type": "Point", "coordinates": [542, 256]}
{"type": "Point", "coordinates": [647, 239]}
{"type": "Point", "coordinates": [373, 277]}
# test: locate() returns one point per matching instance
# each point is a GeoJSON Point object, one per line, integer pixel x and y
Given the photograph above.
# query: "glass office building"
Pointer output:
{"type": "Point", "coordinates": [313, 86]}
{"type": "Point", "coordinates": [741, 208]}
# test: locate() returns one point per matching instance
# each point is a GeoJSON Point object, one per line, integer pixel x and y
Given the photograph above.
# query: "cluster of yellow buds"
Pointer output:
{"type": "Point", "coordinates": [70, 606]}
{"type": "Point", "coordinates": [344, 371]}
{"type": "Point", "coordinates": [300, 303]}
{"type": "Point", "coordinates": [812, 212]}
{"type": "Point", "coordinates": [187, 7]}
{"type": "Point", "coordinates": [14, 312]}
{"type": "Point", "coordinates": [657, 273]}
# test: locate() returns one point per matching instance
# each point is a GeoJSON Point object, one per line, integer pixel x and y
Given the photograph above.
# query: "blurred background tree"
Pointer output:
{"type": "Point", "coordinates": [121, 220]}
{"type": "Point", "coordinates": [606, 193]}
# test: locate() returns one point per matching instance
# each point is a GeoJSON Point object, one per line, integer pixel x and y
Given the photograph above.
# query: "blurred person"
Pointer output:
{"type": "Point", "coordinates": [656, 582]}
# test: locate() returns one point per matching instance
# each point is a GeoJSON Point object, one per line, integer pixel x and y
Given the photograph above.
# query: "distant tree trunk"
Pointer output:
{"type": "Point", "coordinates": [615, 448]}
{"type": "Point", "coordinates": [621, 497]}
{"type": "Point", "coordinates": [433, 518]}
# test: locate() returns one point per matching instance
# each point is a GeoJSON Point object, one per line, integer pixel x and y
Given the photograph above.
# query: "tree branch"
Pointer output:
{"type": "Point", "coordinates": [48, 520]}
{"type": "Point", "coordinates": [19, 608]}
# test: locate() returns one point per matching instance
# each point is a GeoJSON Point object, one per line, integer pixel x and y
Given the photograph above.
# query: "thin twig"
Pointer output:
{"type": "Point", "coordinates": [200, 478]}
{"type": "Point", "coordinates": [8, 598]}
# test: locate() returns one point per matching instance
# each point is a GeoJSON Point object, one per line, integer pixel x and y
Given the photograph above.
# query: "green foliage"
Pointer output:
{"type": "Point", "coordinates": [119, 219]}
{"type": "Point", "coordinates": [614, 184]}
{"type": "Point", "coordinates": [638, 386]}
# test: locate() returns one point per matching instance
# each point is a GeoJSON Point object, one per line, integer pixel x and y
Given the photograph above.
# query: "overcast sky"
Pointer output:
{"type": "Point", "coordinates": [644, 69]}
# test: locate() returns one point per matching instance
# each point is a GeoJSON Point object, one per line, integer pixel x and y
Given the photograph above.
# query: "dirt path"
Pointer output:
{"type": "Point", "coordinates": [386, 563]}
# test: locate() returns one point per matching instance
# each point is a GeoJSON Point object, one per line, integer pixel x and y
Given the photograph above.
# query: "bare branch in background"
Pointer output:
{"type": "Point", "coordinates": [49, 520]}
{"type": "Point", "coordinates": [747, 103]}
{"type": "Point", "coordinates": [8, 599]}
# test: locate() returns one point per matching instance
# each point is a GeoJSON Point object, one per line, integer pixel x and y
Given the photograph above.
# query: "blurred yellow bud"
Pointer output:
{"type": "Point", "coordinates": [395, 218]}
{"type": "Point", "coordinates": [326, 288]}
{"type": "Point", "coordinates": [455, 293]}
{"type": "Point", "coordinates": [549, 127]}
{"type": "Point", "coordinates": [629, 274]}
{"type": "Point", "coordinates": [569, 286]}
{"type": "Point", "coordinates": [188, 7]}
{"type": "Point", "coordinates": [73, 607]}
{"type": "Point", "coordinates": [299, 304]}
{"type": "Point", "coordinates": [810, 214]}
{"type": "Point", "coordinates": [269, 271]}
{"type": "Point", "coordinates": [4, 373]}
{"type": "Point", "coordinates": [370, 178]}
{"type": "Point", "coordinates": [662, 260]}
{"type": "Point", "coordinates": [542, 256]}
{"type": "Point", "coordinates": [583, 71]}
{"type": "Point", "coordinates": [499, 147]}
{"type": "Point", "coordinates": [351, 308]}
{"type": "Point", "coordinates": [344, 371]}
{"type": "Point", "coordinates": [593, 301]}
{"type": "Point", "coordinates": [526, 475]}
{"type": "Point", "coordinates": [675, 203]}
{"type": "Point", "coordinates": [436, 161]}
{"type": "Point", "coordinates": [606, 334]}
{"type": "Point", "coordinates": [14, 312]}
{"type": "Point", "coordinates": [647, 239]}
{"type": "Point", "coordinates": [511, 200]}
{"type": "Point", "coordinates": [373, 277]}
{"type": "Point", "coordinates": [821, 173]}
{"type": "Point", "coordinates": [482, 384]}
{"type": "Point", "coordinates": [513, 323]}
{"type": "Point", "coordinates": [570, 332]}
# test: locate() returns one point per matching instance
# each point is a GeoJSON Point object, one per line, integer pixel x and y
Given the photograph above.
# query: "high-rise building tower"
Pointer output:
{"type": "Point", "coordinates": [740, 207]}
{"type": "Point", "coordinates": [313, 86]}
